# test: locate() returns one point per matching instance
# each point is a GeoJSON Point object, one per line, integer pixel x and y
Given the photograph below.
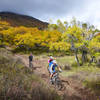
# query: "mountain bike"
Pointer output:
{"type": "Point", "coordinates": [56, 81]}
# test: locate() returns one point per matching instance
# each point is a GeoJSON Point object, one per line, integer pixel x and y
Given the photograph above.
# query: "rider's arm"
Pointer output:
{"type": "Point", "coordinates": [59, 68]}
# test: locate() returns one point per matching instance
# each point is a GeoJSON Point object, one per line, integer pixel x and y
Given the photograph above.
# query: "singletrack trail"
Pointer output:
{"type": "Point", "coordinates": [73, 89]}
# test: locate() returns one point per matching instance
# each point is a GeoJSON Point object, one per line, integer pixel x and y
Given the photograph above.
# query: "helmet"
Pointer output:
{"type": "Point", "coordinates": [51, 57]}
{"type": "Point", "coordinates": [54, 61]}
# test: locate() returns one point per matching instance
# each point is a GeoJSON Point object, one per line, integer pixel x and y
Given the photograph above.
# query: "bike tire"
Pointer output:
{"type": "Point", "coordinates": [58, 84]}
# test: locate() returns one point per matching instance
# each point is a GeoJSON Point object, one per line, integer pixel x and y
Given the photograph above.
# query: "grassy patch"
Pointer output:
{"type": "Point", "coordinates": [65, 59]}
{"type": "Point", "coordinates": [89, 76]}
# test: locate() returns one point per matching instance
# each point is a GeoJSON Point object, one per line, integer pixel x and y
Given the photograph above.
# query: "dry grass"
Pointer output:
{"type": "Point", "coordinates": [20, 83]}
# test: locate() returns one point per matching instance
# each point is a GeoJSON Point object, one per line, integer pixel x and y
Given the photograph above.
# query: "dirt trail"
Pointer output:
{"type": "Point", "coordinates": [73, 89]}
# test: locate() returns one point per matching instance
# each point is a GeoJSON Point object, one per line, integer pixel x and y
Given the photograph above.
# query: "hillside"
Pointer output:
{"type": "Point", "coordinates": [22, 20]}
{"type": "Point", "coordinates": [19, 82]}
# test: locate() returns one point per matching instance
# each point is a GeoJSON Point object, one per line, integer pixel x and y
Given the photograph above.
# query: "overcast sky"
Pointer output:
{"type": "Point", "coordinates": [83, 10]}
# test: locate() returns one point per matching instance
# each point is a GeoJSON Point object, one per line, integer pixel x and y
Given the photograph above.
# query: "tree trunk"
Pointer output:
{"type": "Point", "coordinates": [84, 56]}
{"type": "Point", "coordinates": [76, 58]}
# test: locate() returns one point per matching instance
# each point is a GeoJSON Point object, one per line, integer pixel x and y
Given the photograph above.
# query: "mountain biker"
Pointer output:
{"type": "Point", "coordinates": [52, 66]}
{"type": "Point", "coordinates": [30, 60]}
{"type": "Point", "coordinates": [50, 62]}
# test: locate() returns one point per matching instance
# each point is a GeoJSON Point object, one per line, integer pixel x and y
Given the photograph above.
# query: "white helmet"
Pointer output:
{"type": "Point", "coordinates": [51, 57]}
{"type": "Point", "coordinates": [54, 61]}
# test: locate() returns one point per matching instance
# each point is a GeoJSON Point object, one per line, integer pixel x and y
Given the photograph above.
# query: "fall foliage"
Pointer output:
{"type": "Point", "coordinates": [58, 37]}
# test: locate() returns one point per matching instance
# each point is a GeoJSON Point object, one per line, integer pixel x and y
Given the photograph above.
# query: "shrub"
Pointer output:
{"type": "Point", "coordinates": [98, 62]}
{"type": "Point", "coordinates": [67, 67]}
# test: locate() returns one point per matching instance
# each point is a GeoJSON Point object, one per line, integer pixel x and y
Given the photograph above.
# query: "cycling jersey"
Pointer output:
{"type": "Point", "coordinates": [52, 67]}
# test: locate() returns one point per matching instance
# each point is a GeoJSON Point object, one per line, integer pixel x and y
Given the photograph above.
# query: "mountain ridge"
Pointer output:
{"type": "Point", "coordinates": [16, 19]}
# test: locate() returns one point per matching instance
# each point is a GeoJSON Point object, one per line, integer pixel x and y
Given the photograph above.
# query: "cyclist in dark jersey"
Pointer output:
{"type": "Point", "coordinates": [30, 60]}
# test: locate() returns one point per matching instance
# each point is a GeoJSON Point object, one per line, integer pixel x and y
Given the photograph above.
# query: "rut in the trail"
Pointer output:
{"type": "Point", "coordinates": [73, 89]}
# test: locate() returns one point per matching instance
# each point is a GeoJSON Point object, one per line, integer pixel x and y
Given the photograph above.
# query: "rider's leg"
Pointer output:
{"type": "Point", "coordinates": [32, 64]}
{"type": "Point", "coordinates": [29, 64]}
{"type": "Point", "coordinates": [51, 75]}
{"type": "Point", "coordinates": [50, 71]}
{"type": "Point", "coordinates": [51, 78]}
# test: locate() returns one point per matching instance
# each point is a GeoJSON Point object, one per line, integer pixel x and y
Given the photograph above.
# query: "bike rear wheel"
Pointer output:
{"type": "Point", "coordinates": [58, 84]}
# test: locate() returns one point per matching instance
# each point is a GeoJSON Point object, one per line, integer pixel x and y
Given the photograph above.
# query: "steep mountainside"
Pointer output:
{"type": "Point", "coordinates": [22, 20]}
